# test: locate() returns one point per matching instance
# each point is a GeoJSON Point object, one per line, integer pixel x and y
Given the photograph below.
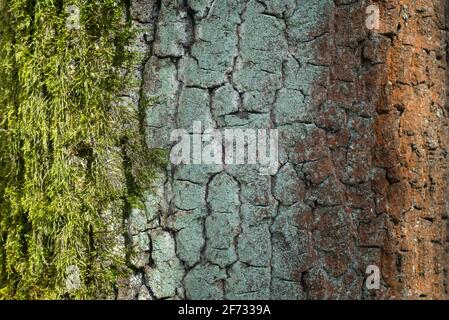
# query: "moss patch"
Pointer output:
{"type": "Point", "coordinates": [69, 150]}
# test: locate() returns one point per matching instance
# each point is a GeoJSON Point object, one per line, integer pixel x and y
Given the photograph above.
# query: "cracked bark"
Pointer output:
{"type": "Point", "coordinates": [363, 147]}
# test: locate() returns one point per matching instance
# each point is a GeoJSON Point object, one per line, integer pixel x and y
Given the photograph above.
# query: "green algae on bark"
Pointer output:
{"type": "Point", "coordinates": [71, 154]}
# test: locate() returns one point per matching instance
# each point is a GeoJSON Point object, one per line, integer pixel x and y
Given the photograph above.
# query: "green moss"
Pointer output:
{"type": "Point", "coordinates": [68, 149]}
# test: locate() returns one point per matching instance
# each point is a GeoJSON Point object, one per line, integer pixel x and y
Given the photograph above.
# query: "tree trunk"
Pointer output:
{"type": "Point", "coordinates": [348, 96]}
{"type": "Point", "coordinates": [362, 121]}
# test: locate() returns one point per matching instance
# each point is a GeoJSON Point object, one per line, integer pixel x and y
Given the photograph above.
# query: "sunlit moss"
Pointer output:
{"type": "Point", "coordinates": [69, 151]}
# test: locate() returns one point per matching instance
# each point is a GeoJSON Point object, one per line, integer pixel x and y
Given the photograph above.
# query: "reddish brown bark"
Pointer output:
{"type": "Point", "coordinates": [411, 145]}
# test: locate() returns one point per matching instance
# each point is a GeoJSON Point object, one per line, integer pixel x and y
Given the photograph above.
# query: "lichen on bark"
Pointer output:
{"type": "Point", "coordinates": [72, 156]}
{"type": "Point", "coordinates": [361, 116]}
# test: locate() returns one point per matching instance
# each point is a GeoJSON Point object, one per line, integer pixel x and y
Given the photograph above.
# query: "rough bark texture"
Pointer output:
{"type": "Point", "coordinates": [412, 142]}
{"type": "Point", "coordinates": [362, 117]}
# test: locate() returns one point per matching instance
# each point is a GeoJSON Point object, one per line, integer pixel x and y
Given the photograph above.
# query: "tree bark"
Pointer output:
{"type": "Point", "coordinates": [362, 120]}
